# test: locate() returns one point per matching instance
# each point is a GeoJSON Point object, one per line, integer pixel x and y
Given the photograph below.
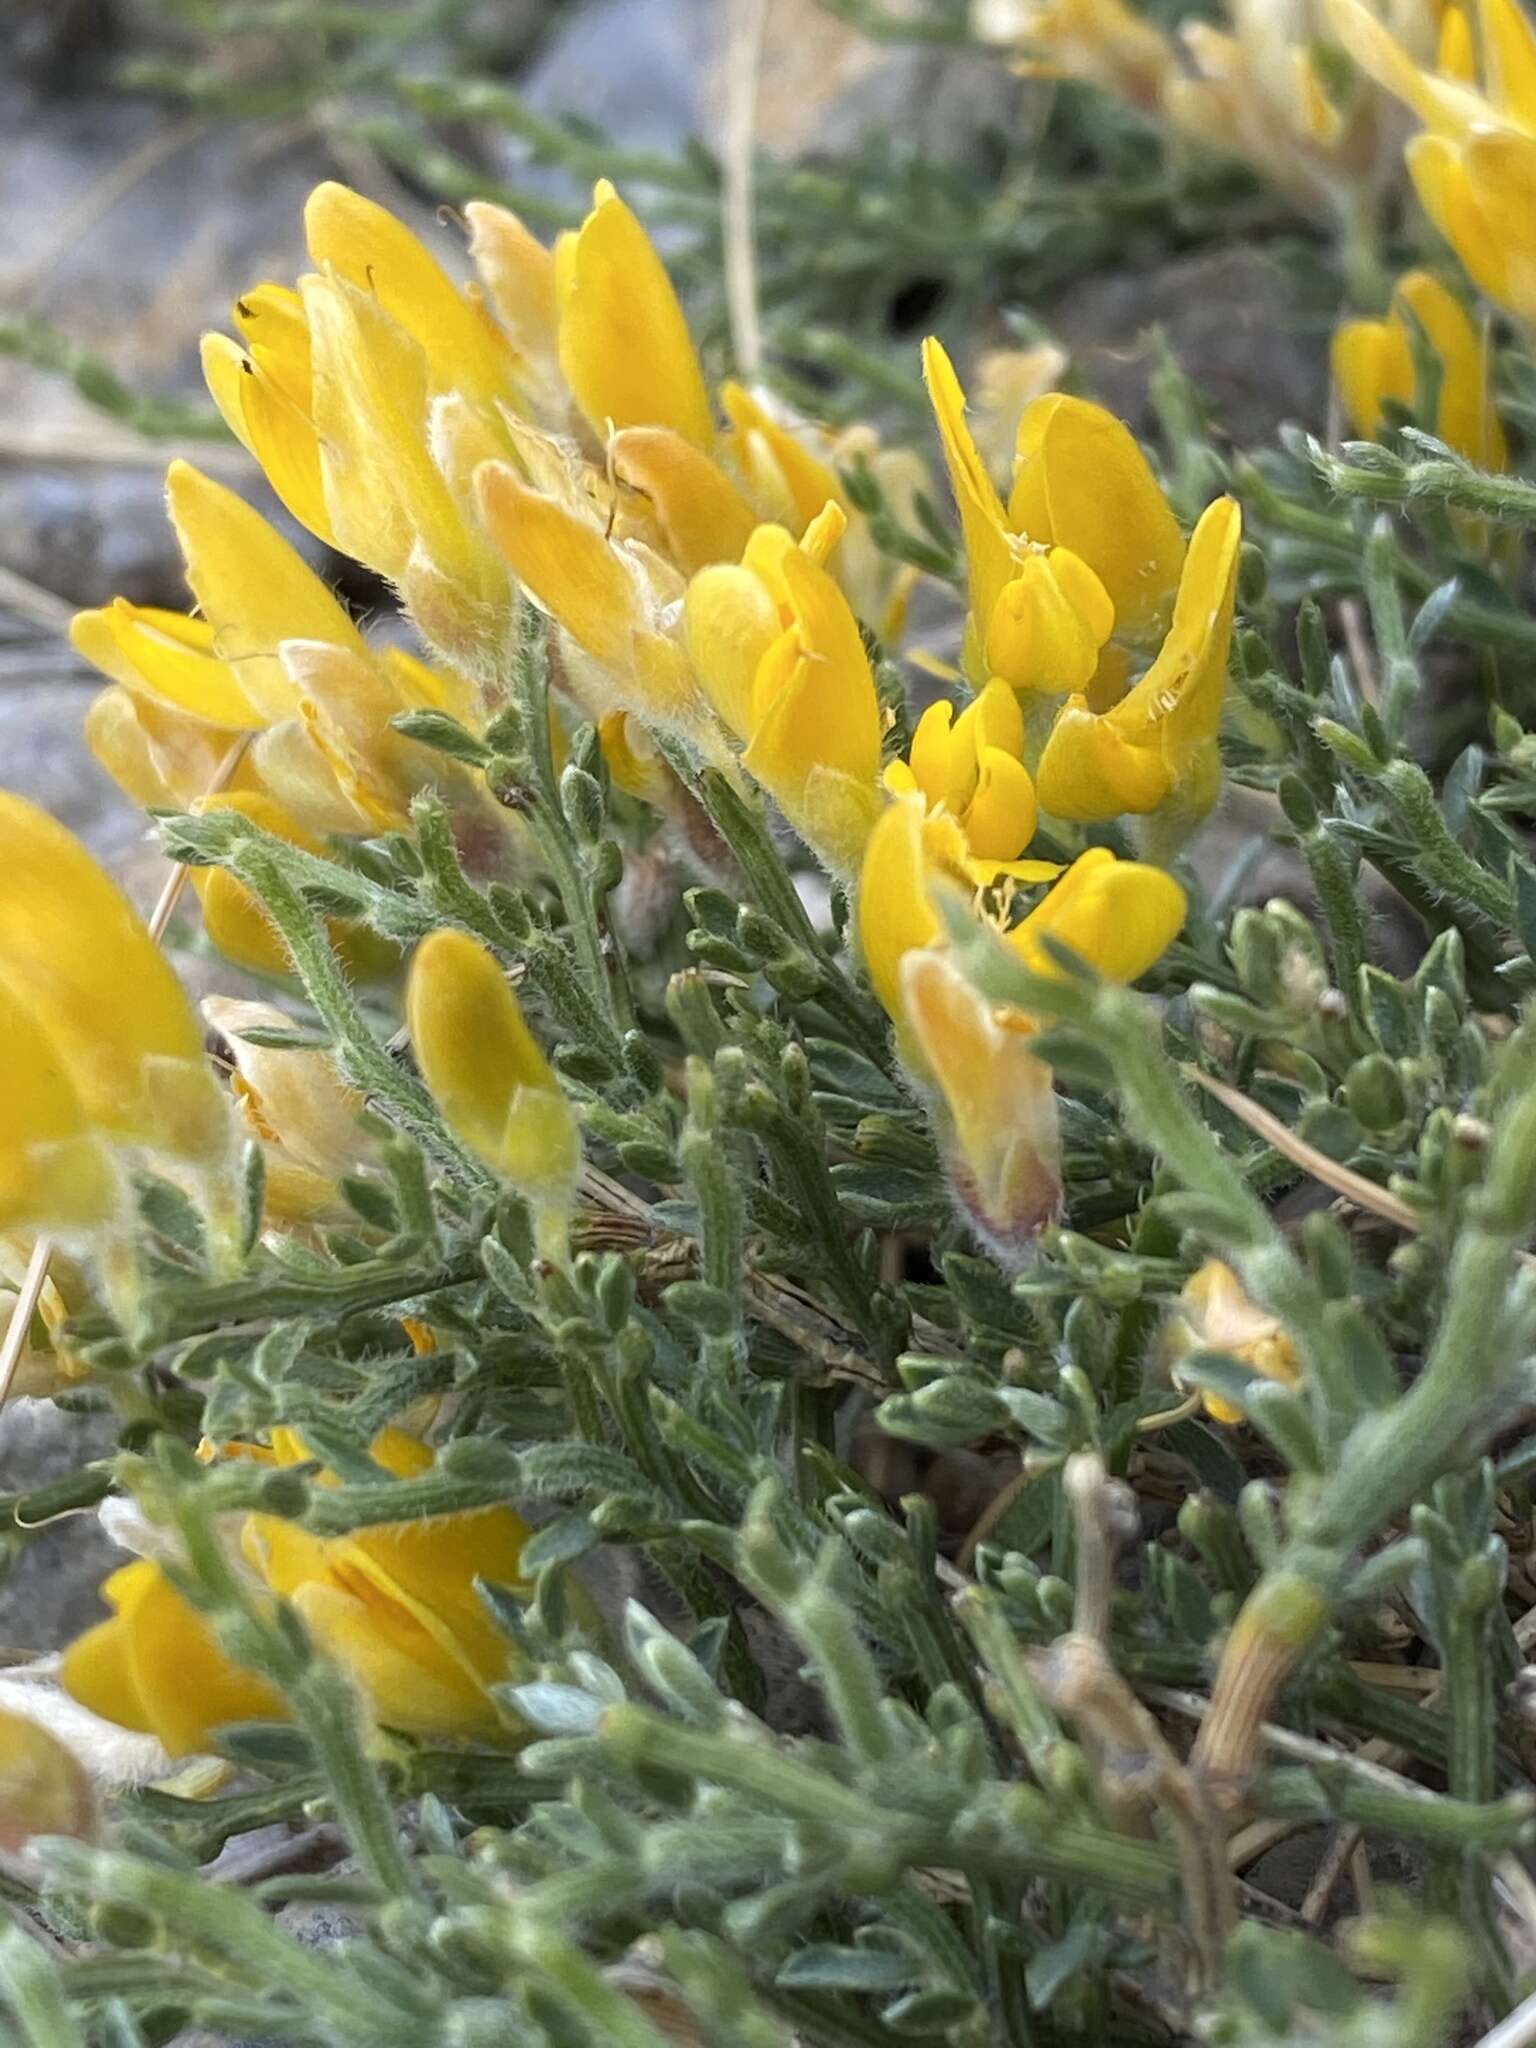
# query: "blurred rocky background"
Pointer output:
{"type": "Point", "coordinates": [155, 159]}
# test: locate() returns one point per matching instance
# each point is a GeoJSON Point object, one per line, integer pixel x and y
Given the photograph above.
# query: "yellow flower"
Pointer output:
{"type": "Point", "coordinates": [273, 640]}
{"type": "Point", "coordinates": [45, 1789]}
{"type": "Point", "coordinates": [117, 1021]}
{"type": "Point", "coordinates": [168, 657]}
{"type": "Point", "coordinates": [997, 1118]}
{"type": "Point", "coordinates": [1474, 167]}
{"type": "Point", "coordinates": [156, 1666]}
{"type": "Point", "coordinates": [1261, 88]}
{"type": "Point", "coordinates": [777, 648]}
{"type": "Point", "coordinates": [973, 768]}
{"type": "Point", "coordinates": [238, 925]}
{"type": "Point", "coordinates": [496, 1090]}
{"type": "Point", "coordinates": [624, 345]}
{"type": "Point", "coordinates": [395, 1604]}
{"type": "Point", "coordinates": [1002, 1126]}
{"type": "Point", "coordinates": [609, 593]}
{"type": "Point", "coordinates": [1215, 1314]}
{"type": "Point", "coordinates": [55, 1174]}
{"type": "Point", "coordinates": [1373, 361]}
{"type": "Point", "coordinates": [1157, 746]}
{"type": "Point", "coordinates": [295, 1102]}
{"type": "Point", "coordinates": [1086, 551]}
{"type": "Point", "coordinates": [335, 392]}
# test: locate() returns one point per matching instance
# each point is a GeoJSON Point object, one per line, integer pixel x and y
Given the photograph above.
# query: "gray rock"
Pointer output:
{"type": "Point", "coordinates": [1229, 317]}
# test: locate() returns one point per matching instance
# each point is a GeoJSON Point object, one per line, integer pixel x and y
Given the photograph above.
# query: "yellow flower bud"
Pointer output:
{"type": "Point", "coordinates": [238, 925]}
{"type": "Point", "coordinates": [496, 1090]}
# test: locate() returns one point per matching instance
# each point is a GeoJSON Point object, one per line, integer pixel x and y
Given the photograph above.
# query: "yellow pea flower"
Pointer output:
{"type": "Point", "coordinates": [395, 1604]}
{"type": "Point", "coordinates": [777, 648]}
{"type": "Point", "coordinates": [624, 345]}
{"type": "Point", "coordinates": [494, 1086]}
{"type": "Point", "coordinates": [610, 594]}
{"type": "Point", "coordinates": [253, 590]}
{"type": "Point", "coordinates": [701, 514]}
{"type": "Point", "coordinates": [263, 386]}
{"type": "Point", "coordinates": [167, 656]}
{"type": "Point", "coordinates": [973, 768]}
{"type": "Point", "coordinates": [517, 274]}
{"type": "Point", "coordinates": [1102, 42]}
{"type": "Point", "coordinates": [364, 244]}
{"type": "Point", "coordinates": [55, 1174]}
{"type": "Point", "coordinates": [996, 1106]}
{"type": "Point", "coordinates": [44, 1787]}
{"type": "Point", "coordinates": [1086, 549]}
{"type": "Point", "coordinates": [1120, 916]}
{"type": "Point", "coordinates": [1157, 746]}
{"type": "Point", "coordinates": [1373, 360]}
{"type": "Point", "coordinates": [1257, 88]}
{"type": "Point", "coordinates": [295, 1102]}
{"type": "Point", "coordinates": [1215, 1313]}
{"type": "Point", "coordinates": [72, 940]}
{"type": "Point", "coordinates": [156, 1667]}
{"type": "Point", "coordinates": [160, 756]}
{"type": "Point", "coordinates": [1474, 167]}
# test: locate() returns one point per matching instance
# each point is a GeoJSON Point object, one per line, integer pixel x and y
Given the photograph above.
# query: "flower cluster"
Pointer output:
{"type": "Point", "coordinates": [713, 603]}
{"type": "Point", "coordinates": [1268, 88]}
{"type": "Point", "coordinates": [1474, 165]}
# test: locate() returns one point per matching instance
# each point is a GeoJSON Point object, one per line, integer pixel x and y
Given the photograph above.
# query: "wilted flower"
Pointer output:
{"type": "Point", "coordinates": [44, 1787]}
{"type": "Point", "coordinates": [496, 1090]}
{"type": "Point", "coordinates": [1214, 1313]}
{"type": "Point", "coordinates": [1474, 167]}
{"type": "Point", "coordinates": [999, 1118]}
{"type": "Point", "coordinates": [395, 1603]}
{"type": "Point", "coordinates": [292, 1099]}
